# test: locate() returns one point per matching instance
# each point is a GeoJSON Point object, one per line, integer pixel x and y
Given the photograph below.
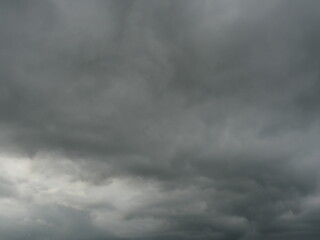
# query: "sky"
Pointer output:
{"type": "Point", "coordinates": [159, 119]}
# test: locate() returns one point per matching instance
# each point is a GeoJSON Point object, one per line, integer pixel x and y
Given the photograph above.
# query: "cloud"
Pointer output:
{"type": "Point", "coordinates": [159, 119]}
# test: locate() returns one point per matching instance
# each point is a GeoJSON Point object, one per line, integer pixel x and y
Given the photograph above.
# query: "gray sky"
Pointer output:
{"type": "Point", "coordinates": [145, 119]}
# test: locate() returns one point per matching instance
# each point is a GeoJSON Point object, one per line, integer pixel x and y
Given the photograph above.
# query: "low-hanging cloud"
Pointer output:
{"type": "Point", "coordinates": [159, 119]}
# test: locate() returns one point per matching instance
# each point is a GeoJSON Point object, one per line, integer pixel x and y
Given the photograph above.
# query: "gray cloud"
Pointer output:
{"type": "Point", "coordinates": [159, 119]}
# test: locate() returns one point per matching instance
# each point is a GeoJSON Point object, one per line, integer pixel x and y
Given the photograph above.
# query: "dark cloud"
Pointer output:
{"type": "Point", "coordinates": [159, 119]}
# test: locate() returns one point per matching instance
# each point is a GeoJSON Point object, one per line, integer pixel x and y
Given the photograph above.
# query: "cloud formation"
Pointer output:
{"type": "Point", "coordinates": [147, 119]}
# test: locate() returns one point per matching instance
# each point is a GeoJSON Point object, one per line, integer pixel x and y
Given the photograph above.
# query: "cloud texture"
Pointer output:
{"type": "Point", "coordinates": [173, 119]}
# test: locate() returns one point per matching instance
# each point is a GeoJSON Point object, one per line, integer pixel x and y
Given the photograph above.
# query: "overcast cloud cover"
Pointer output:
{"type": "Point", "coordinates": [159, 120]}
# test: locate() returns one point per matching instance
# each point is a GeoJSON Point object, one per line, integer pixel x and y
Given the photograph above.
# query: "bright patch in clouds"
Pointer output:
{"type": "Point", "coordinates": [107, 204]}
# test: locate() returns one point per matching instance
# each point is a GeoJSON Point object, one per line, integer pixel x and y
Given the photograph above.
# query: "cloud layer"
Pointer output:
{"type": "Point", "coordinates": [159, 120]}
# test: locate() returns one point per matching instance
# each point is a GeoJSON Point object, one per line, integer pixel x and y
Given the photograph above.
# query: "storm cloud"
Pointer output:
{"type": "Point", "coordinates": [171, 119]}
